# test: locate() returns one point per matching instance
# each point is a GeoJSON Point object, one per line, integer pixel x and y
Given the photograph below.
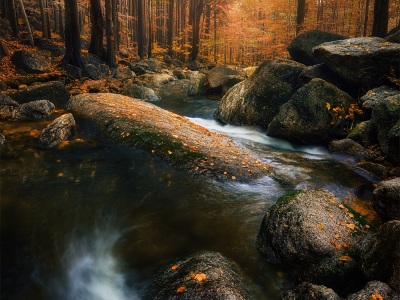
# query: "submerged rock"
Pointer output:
{"type": "Point", "coordinates": [256, 100]}
{"type": "Point", "coordinates": [300, 49]}
{"type": "Point", "coordinates": [371, 289]}
{"type": "Point", "coordinates": [380, 255]}
{"type": "Point", "coordinates": [386, 199]}
{"type": "Point", "coordinates": [54, 91]}
{"type": "Point", "coordinates": [204, 275]}
{"type": "Point", "coordinates": [141, 125]}
{"type": "Point", "coordinates": [309, 291]}
{"type": "Point", "coordinates": [60, 130]}
{"type": "Point", "coordinates": [315, 114]}
{"type": "Point", "coordinates": [305, 227]}
{"type": "Point", "coordinates": [34, 110]}
{"type": "Point", "coordinates": [31, 62]}
{"type": "Point", "coordinates": [140, 92]}
{"type": "Point", "coordinates": [365, 61]}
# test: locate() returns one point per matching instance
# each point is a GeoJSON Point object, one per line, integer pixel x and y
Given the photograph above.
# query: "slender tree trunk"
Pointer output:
{"type": "Point", "coordinates": [215, 31]}
{"type": "Point", "coordinates": [26, 21]}
{"type": "Point", "coordinates": [72, 35]}
{"type": "Point", "coordinates": [61, 20]}
{"type": "Point", "coordinates": [110, 34]}
{"type": "Point", "coordinates": [141, 36]}
{"type": "Point", "coordinates": [301, 5]}
{"type": "Point", "coordinates": [196, 13]}
{"type": "Point", "coordinates": [381, 18]}
{"type": "Point", "coordinates": [97, 29]}
{"type": "Point", "coordinates": [366, 17]}
{"type": "Point", "coordinates": [170, 27]}
{"type": "Point", "coordinates": [150, 41]}
{"type": "Point", "coordinates": [12, 16]}
{"type": "Point", "coordinates": [45, 24]}
{"type": "Point", "coordinates": [116, 24]}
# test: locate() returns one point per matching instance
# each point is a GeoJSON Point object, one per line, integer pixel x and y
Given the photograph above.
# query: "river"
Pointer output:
{"type": "Point", "coordinates": [96, 221]}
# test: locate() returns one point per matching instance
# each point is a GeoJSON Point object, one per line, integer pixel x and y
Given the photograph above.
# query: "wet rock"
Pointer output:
{"type": "Point", "coordinates": [61, 129]}
{"type": "Point", "coordinates": [39, 109]}
{"type": "Point", "coordinates": [386, 199]}
{"type": "Point", "coordinates": [305, 227]}
{"type": "Point", "coordinates": [198, 84]}
{"type": "Point", "coordinates": [123, 73]}
{"type": "Point", "coordinates": [309, 291]}
{"type": "Point", "coordinates": [204, 275]}
{"type": "Point", "coordinates": [371, 289]}
{"type": "Point", "coordinates": [380, 255]}
{"type": "Point", "coordinates": [154, 64]}
{"type": "Point", "coordinates": [31, 62]}
{"type": "Point", "coordinates": [364, 133]}
{"type": "Point", "coordinates": [157, 79]}
{"type": "Point", "coordinates": [8, 107]}
{"type": "Point", "coordinates": [218, 75]}
{"type": "Point", "coordinates": [139, 70]}
{"type": "Point", "coordinates": [385, 116]}
{"type": "Point", "coordinates": [376, 95]}
{"type": "Point", "coordinates": [54, 91]}
{"type": "Point", "coordinates": [323, 72]}
{"type": "Point", "coordinates": [364, 62]}
{"type": "Point", "coordinates": [348, 146]}
{"type": "Point", "coordinates": [375, 169]}
{"type": "Point", "coordinates": [179, 73]}
{"type": "Point", "coordinates": [140, 125]}
{"type": "Point", "coordinates": [140, 92]}
{"type": "Point", "coordinates": [309, 117]}
{"type": "Point", "coordinates": [300, 49]}
{"type": "Point", "coordinates": [73, 72]}
{"type": "Point", "coordinates": [256, 100]}
{"type": "Point", "coordinates": [393, 154]}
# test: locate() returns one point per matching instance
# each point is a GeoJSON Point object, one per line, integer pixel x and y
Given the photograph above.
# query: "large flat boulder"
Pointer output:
{"type": "Point", "coordinates": [315, 114]}
{"type": "Point", "coordinates": [256, 100]}
{"type": "Point", "coordinates": [204, 275]}
{"type": "Point", "coordinates": [142, 125]}
{"type": "Point", "coordinates": [300, 49]}
{"type": "Point", "coordinates": [364, 62]}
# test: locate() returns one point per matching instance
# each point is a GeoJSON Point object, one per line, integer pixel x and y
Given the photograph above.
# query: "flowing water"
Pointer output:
{"type": "Point", "coordinates": [96, 221]}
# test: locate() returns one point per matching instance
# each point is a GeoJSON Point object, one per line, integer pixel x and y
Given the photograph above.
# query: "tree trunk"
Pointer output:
{"type": "Point", "coordinates": [215, 31]}
{"type": "Point", "coordinates": [197, 11]}
{"type": "Point", "coordinates": [381, 18]}
{"type": "Point", "coordinates": [61, 20]}
{"type": "Point", "coordinates": [150, 41]}
{"type": "Point", "coordinates": [72, 35]}
{"type": "Point", "coordinates": [141, 36]}
{"type": "Point", "coordinates": [170, 27]}
{"type": "Point", "coordinates": [116, 24]}
{"type": "Point", "coordinates": [366, 18]}
{"type": "Point", "coordinates": [110, 34]}
{"type": "Point", "coordinates": [26, 21]}
{"type": "Point", "coordinates": [301, 5]}
{"type": "Point", "coordinates": [12, 16]}
{"type": "Point", "coordinates": [97, 29]}
{"type": "Point", "coordinates": [45, 24]}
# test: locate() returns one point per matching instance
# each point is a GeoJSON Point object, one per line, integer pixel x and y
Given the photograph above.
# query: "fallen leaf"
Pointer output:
{"type": "Point", "coordinates": [321, 226]}
{"type": "Point", "coordinates": [200, 277]}
{"type": "Point", "coordinates": [351, 215]}
{"type": "Point", "coordinates": [345, 245]}
{"type": "Point", "coordinates": [341, 206]}
{"type": "Point", "coordinates": [174, 267]}
{"type": "Point", "coordinates": [345, 258]}
{"type": "Point", "coordinates": [328, 106]}
{"type": "Point", "coordinates": [367, 226]}
{"type": "Point", "coordinates": [233, 177]}
{"type": "Point", "coordinates": [225, 173]}
{"type": "Point", "coordinates": [351, 226]}
{"type": "Point", "coordinates": [336, 245]}
{"type": "Point", "coordinates": [378, 296]}
{"type": "Point", "coordinates": [60, 175]}
{"type": "Point", "coordinates": [331, 216]}
{"type": "Point", "coordinates": [181, 289]}
{"type": "Point", "coordinates": [169, 152]}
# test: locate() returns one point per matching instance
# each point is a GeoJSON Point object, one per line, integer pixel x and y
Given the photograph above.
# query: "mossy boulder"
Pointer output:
{"type": "Point", "coordinates": [364, 133]}
{"type": "Point", "coordinates": [315, 114]}
{"type": "Point", "coordinates": [365, 62]}
{"type": "Point", "coordinates": [141, 125]}
{"type": "Point", "coordinates": [376, 95]}
{"type": "Point", "coordinates": [348, 146]}
{"type": "Point", "coordinates": [380, 255]}
{"type": "Point", "coordinates": [385, 115]}
{"type": "Point", "coordinates": [256, 100]}
{"type": "Point", "coordinates": [386, 199]}
{"type": "Point", "coordinates": [300, 49]}
{"type": "Point", "coordinates": [204, 275]}
{"type": "Point", "coordinates": [198, 84]}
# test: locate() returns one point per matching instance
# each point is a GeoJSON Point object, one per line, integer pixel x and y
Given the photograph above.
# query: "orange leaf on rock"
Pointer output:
{"type": "Point", "coordinates": [345, 258]}
{"type": "Point", "coordinates": [200, 277]}
{"type": "Point", "coordinates": [378, 296]}
{"type": "Point", "coordinates": [174, 267]}
{"type": "Point", "coordinates": [181, 289]}
{"type": "Point", "coordinates": [351, 226]}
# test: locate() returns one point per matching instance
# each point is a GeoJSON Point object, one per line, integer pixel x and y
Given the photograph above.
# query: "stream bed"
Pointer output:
{"type": "Point", "coordinates": [96, 221]}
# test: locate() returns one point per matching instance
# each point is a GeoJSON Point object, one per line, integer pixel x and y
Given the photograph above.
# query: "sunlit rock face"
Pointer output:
{"type": "Point", "coordinates": [256, 100]}
{"type": "Point", "coordinates": [364, 62]}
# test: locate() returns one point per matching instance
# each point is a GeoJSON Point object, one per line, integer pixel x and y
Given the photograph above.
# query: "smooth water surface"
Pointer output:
{"type": "Point", "coordinates": [96, 221]}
